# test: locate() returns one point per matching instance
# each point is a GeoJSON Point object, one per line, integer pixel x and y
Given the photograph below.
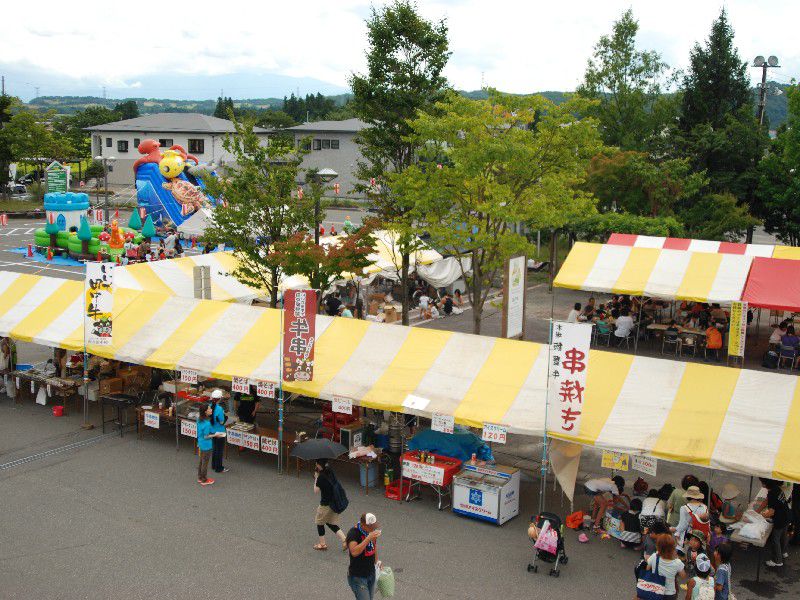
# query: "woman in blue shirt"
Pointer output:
{"type": "Point", "coordinates": [204, 444]}
{"type": "Point", "coordinates": [217, 426]}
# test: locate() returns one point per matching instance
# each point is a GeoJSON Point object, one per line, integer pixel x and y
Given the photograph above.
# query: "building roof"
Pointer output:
{"type": "Point", "coordinates": [172, 123]}
{"type": "Point", "coordinates": [348, 126]}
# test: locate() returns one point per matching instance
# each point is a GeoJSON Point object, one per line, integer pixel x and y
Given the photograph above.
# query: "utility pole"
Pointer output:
{"type": "Point", "coordinates": [3, 79]}
{"type": "Point", "coordinates": [36, 90]}
{"type": "Point", "coordinates": [771, 62]}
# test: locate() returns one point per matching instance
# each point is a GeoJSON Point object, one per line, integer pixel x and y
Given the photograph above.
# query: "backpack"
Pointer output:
{"type": "Point", "coordinates": [339, 501]}
{"type": "Point", "coordinates": [699, 525]}
{"type": "Point", "coordinates": [705, 589]}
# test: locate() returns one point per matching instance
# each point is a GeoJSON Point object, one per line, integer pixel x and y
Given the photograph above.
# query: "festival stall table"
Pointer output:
{"type": "Point", "coordinates": [153, 417]}
{"type": "Point", "coordinates": [487, 493]}
{"type": "Point", "coordinates": [120, 402]}
{"type": "Point", "coordinates": [60, 387]}
{"type": "Point", "coordinates": [758, 543]}
{"type": "Point", "coordinates": [438, 475]}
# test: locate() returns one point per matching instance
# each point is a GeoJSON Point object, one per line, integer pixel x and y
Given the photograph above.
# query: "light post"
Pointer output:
{"type": "Point", "coordinates": [759, 62]}
{"type": "Point", "coordinates": [318, 179]}
{"type": "Point", "coordinates": [105, 160]}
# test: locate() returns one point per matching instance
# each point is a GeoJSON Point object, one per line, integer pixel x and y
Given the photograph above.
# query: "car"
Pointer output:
{"type": "Point", "coordinates": [17, 188]}
{"type": "Point", "coordinates": [27, 179]}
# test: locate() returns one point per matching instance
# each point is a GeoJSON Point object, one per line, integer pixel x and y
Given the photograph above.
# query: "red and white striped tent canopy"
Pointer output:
{"type": "Point", "coordinates": [668, 243]}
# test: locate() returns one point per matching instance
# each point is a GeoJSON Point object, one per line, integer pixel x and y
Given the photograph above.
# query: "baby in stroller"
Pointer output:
{"type": "Point", "coordinates": [552, 550]}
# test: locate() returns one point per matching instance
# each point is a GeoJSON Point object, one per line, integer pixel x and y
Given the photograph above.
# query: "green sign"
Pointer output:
{"type": "Point", "coordinates": [57, 178]}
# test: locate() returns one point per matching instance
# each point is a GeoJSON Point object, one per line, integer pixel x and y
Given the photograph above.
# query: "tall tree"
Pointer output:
{"type": "Point", "coordinates": [127, 109]}
{"type": "Point", "coordinates": [6, 154]}
{"type": "Point", "coordinates": [261, 206]}
{"type": "Point", "coordinates": [73, 127]}
{"type": "Point", "coordinates": [504, 160]}
{"type": "Point", "coordinates": [405, 60]}
{"type": "Point", "coordinates": [32, 140]}
{"type": "Point", "coordinates": [626, 82]}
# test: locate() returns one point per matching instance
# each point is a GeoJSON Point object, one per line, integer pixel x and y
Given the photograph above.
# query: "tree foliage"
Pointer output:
{"type": "Point", "coordinates": [718, 217]}
{"type": "Point", "coordinates": [31, 139]}
{"type": "Point", "coordinates": [224, 108]}
{"type": "Point", "coordinates": [504, 160]}
{"type": "Point", "coordinates": [599, 226]}
{"type": "Point", "coordinates": [127, 109]}
{"type": "Point", "coordinates": [72, 127]}
{"type": "Point", "coordinates": [261, 208]}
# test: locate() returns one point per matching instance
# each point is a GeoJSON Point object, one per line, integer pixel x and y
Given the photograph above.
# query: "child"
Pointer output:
{"type": "Point", "coordinates": [717, 537]}
{"type": "Point", "coordinates": [629, 527]}
{"type": "Point", "coordinates": [722, 580]}
{"type": "Point", "coordinates": [651, 533]}
{"type": "Point", "coordinates": [695, 546]}
{"type": "Point", "coordinates": [204, 444]}
{"type": "Point", "coordinates": [702, 566]}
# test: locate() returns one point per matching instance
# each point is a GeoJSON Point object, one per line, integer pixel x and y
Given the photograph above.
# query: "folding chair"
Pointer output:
{"type": "Point", "coordinates": [787, 353]}
{"type": "Point", "coordinates": [689, 341]}
{"type": "Point", "coordinates": [671, 338]}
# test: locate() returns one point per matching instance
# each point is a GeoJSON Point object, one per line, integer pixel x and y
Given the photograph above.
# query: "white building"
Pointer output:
{"type": "Point", "coordinates": [200, 135]}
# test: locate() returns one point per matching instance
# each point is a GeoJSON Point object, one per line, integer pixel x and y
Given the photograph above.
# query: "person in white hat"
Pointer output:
{"type": "Point", "coordinates": [363, 552]}
{"type": "Point", "coordinates": [693, 515]}
{"type": "Point", "coordinates": [701, 579]}
{"type": "Point", "coordinates": [730, 512]}
{"type": "Point", "coordinates": [217, 426]}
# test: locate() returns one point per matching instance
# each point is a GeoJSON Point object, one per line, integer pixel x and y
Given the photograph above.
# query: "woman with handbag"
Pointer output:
{"type": "Point", "coordinates": [658, 581]}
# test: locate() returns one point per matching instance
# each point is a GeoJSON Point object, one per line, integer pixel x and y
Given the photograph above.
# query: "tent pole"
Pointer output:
{"type": "Point", "coordinates": [280, 395]}
{"type": "Point", "coordinates": [638, 326]}
{"type": "Point", "coordinates": [543, 468]}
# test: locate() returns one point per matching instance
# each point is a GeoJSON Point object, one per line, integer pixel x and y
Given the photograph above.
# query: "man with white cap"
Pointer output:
{"type": "Point", "coordinates": [363, 553]}
{"type": "Point", "coordinates": [217, 426]}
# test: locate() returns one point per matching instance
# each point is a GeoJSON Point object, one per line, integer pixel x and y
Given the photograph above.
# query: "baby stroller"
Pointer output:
{"type": "Point", "coordinates": [560, 557]}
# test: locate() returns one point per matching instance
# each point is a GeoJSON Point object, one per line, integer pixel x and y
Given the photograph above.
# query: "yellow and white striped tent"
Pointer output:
{"type": "Point", "coordinates": [176, 277]}
{"type": "Point", "coordinates": [655, 272]}
{"type": "Point", "coordinates": [733, 419]}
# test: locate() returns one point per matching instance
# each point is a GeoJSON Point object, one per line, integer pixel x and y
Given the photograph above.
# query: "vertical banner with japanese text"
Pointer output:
{"type": "Point", "coordinates": [98, 303]}
{"type": "Point", "coordinates": [299, 314]}
{"type": "Point", "coordinates": [738, 330]}
{"type": "Point", "coordinates": [513, 325]}
{"type": "Point", "coordinates": [569, 359]}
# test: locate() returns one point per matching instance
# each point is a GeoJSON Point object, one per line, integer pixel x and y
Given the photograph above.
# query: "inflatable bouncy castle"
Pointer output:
{"type": "Point", "coordinates": [170, 184]}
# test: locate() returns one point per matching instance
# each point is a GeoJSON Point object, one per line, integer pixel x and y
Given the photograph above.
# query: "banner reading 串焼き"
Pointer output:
{"type": "Point", "coordinates": [569, 360]}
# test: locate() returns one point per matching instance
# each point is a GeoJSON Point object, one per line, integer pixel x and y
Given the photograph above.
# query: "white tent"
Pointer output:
{"type": "Point", "coordinates": [196, 224]}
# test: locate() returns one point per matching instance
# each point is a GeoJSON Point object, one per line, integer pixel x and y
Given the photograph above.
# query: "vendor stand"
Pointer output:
{"type": "Point", "coordinates": [487, 493]}
{"type": "Point", "coordinates": [56, 387]}
{"type": "Point", "coordinates": [436, 473]}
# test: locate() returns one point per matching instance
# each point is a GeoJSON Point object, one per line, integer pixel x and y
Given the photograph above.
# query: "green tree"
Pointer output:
{"type": "Point", "coordinates": [127, 109]}
{"type": "Point", "coordinates": [85, 235]}
{"type": "Point", "coordinates": [72, 127]}
{"type": "Point", "coordinates": [406, 56]}
{"type": "Point", "coordinates": [261, 208]}
{"type": "Point", "coordinates": [6, 153]}
{"type": "Point", "coordinates": [626, 82]}
{"type": "Point", "coordinates": [224, 108]}
{"type": "Point", "coordinates": [32, 140]}
{"type": "Point", "coordinates": [274, 119]}
{"type": "Point", "coordinates": [717, 217]}
{"type": "Point", "coordinates": [504, 160]}
{"type": "Point", "coordinates": [148, 229]}
{"type": "Point", "coordinates": [599, 226]}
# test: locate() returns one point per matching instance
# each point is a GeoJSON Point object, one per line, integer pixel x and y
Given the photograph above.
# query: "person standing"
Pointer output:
{"type": "Point", "coordinates": [217, 426]}
{"type": "Point", "coordinates": [204, 444]}
{"type": "Point", "coordinates": [722, 578]}
{"type": "Point", "coordinates": [667, 564]}
{"type": "Point", "coordinates": [324, 480]}
{"type": "Point", "coordinates": [778, 510]}
{"type": "Point", "coordinates": [363, 552]}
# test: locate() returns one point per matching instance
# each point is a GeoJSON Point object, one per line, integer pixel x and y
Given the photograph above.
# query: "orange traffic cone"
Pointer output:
{"type": "Point", "coordinates": [194, 241]}
{"type": "Point", "coordinates": [99, 257]}
{"type": "Point", "coordinates": [30, 250]}
{"type": "Point", "coordinates": [49, 253]}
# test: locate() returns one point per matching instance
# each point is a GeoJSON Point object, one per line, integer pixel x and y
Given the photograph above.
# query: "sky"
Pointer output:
{"type": "Point", "coordinates": [515, 46]}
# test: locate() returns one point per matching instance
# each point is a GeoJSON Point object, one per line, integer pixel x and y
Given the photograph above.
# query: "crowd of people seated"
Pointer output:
{"type": "Point", "coordinates": [435, 303]}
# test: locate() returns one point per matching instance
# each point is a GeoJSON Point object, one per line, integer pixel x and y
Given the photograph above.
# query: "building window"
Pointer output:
{"type": "Point", "coordinates": [122, 145]}
{"type": "Point", "coordinates": [165, 142]}
{"type": "Point", "coordinates": [136, 142]}
{"type": "Point", "coordinates": [317, 144]}
{"type": "Point", "coordinates": [196, 146]}
{"type": "Point", "coordinates": [108, 142]}
{"type": "Point", "coordinates": [326, 144]}
{"type": "Point", "coordinates": [334, 144]}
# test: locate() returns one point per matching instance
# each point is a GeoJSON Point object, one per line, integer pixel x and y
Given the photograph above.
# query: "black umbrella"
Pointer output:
{"type": "Point", "coordinates": [318, 448]}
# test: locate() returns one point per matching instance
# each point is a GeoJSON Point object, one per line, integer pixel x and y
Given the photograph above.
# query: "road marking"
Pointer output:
{"type": "Point", "coordinates": [39, 267]}
{"type": "Point", "coordinates": [74, 446]}
{"type": "Point", "coordinates": [11, 232]}
{"type": "Point", "coordinates": [31, 230]}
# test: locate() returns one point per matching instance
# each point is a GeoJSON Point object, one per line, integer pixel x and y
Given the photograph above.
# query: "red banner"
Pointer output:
{"type": "Point", "coordinates": [299, 315]}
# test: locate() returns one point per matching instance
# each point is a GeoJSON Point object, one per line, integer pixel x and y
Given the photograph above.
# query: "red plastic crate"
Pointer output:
{"type": "Point", "coordinates": [393, 491]}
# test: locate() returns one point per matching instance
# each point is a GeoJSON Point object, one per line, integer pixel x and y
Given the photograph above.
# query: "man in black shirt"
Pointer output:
{"type": "Point", "coordinates": [778, 510]}
{"type": "Point", "coordinates": [363, 553]}
{"type": "Point", "coordinates": [332, 304]}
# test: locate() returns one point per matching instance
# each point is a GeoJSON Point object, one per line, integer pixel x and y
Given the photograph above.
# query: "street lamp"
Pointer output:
{"type": "Point", "coordinates": [320, 178]}
{"type": "Point", "coordinates": [760, 62]}
{"type": "Point", "coordinates": [105, 160]}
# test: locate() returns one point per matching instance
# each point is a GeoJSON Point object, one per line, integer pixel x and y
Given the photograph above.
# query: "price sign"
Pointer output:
{"type": "Point", "coordinates": [494, 433]}
{"type": "Point", "coordinates": [152, 419]}
{"type": "Point", "coordinates": [443, 423]}
{"type": "Point", "coordinates": [422, 472]}
{"type": "Point", "coordinates": [189, 376]}
{"type": "Point", "coordinates": [265, 389]}
{"type": "Point", "coordinates": [49, 391]}
{"type": "Point", "coordinates": [342, 405]}
{"type": "Point", "coordinates": [250, 441]}
{"type": "Point", "coordinates": [188, 428]}
{"type": "Point", "coordinates": [241, 385]}
{"type": "Point", "coordinates": [234, 437]}
{"type": "Point", "coordinates": [269, 444]}
{"type": "Point", "coordinates": [645, 464]}
{"type": "Point", "coordinates": [33, 388]}
{"type": "Point", "coordinates": [616, 460]}
{"type": "Point", "coordinates": [17, 382]}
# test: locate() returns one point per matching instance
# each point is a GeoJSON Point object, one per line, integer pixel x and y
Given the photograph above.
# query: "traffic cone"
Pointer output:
{"type": "Point", "coordinates": [194, 241]}
{"type": "Point", "coordinates": [99, 257]}
{"type": "Point", "coordinates": [30, 250]}
{"type": "Point", "coordinates": [49, 253]}
{"type": "Point", "coordinates": [117, 261]}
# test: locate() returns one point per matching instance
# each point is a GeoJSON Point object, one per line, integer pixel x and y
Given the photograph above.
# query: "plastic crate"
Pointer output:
{"type": "Point", "coordinates": [393, 491]}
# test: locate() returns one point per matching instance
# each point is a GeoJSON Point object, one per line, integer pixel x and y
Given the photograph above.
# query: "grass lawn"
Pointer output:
{"type": "Point", "coordinates": [19, 205]}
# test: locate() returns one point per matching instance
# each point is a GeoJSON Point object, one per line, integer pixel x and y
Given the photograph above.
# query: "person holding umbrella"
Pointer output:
{"type": "Point", "coordinates": [324, 485]}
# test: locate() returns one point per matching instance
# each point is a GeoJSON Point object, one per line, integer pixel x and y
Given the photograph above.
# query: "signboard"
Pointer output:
{"type": "Point", "coordinates": [514, 298]}
{"type": "Point", "coordinates": [98, 216]}
{"type": "Point", "coordinates": [615, 460]}
{"type": "Point", "coordinates": [738, 329]}
{"type": "Point", "coordinates": [340, 404]}
{"type": "Point", "coordinates": [645, 464]}
{"type": "Point", "coordinates": [299, 314]}
{"type": "Point", "coordinates": [152, 419]}
{"type": "Point", "coordinates": [251, 441]}
{"type": "Point", "coordinates": [98, 303]}
{"type": "Point", "coordinates": [241, 385]}
{"type": "Point", "coordinates": [483, 501]}
{"type": "Point", "coordinates": [57, 178]}
{"type": "Point", "coordinates": [269, 445]}
{"type": "Point", "coordinates": [494, 433]}
{"type": "Point", "coordinates": [265, 389]}
{"type": "Point", "coordinates": [189, 376]}
{"type": "Point", "coordinates": [443, 423]}
{"type": "Point", "coordinates": [569, 358]}
{"type": "Point", "coordinates": [423, 472]}
{"type": "Point", "coordinates": [189, 428]}
{"type": "Point", "coordinates": [234, 437]}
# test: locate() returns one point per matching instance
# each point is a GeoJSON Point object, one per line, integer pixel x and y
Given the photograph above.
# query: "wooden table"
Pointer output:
{"type": "Point", "coordinates": [681, 330]}
{"type": "Point", "coordinates": [60, 387]}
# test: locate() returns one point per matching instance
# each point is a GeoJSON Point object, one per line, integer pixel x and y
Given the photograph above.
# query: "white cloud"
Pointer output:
{"type": "Point", "coordinates": [514, 45]}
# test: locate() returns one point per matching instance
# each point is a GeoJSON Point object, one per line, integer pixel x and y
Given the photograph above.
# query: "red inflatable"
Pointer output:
{"type": "Point", "coordinates": [152, 155]}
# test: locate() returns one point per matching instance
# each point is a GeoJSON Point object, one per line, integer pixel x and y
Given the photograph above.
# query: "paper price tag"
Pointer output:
{"type": "Point", "coordinates": [265, 389]}
{"type": "Point", "coordinates": [234, 437]}
{"type": "Point", "coordinates": [494, 433]}
{"type": "Point", "coordinates": [443, 423]}
{"type": "Point", "coordinates": [188, 428]}
{"type": "Point", "coordinates": [269, 445]}
{"type": "Point", "coordinates": [152, 419]}
{"type": "Point", "coordinates": [241, 385]}
{"type": "Point", "coordinates": [342, 405]}
{"type": "Point", "coordinates": [17, 382]}
{"type": "Point", "coordinates": [189, 376]}
{"type": "Point", "coordinates": [645, 464]}
{"type": "Point", "coordinates": [33, 388]}
{"type": "Point", "coordinates": [251, 441]}
{"type": "Point", "coordinates": [49, 390]}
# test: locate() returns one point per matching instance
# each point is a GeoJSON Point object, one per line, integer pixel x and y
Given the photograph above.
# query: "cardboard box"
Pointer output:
{"type": "Point", "coordinates": [374, 305]}
{"type": "Point", "coordinates": [390, 314]}
{"type": "Point", "coordinates": [110, 385]}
